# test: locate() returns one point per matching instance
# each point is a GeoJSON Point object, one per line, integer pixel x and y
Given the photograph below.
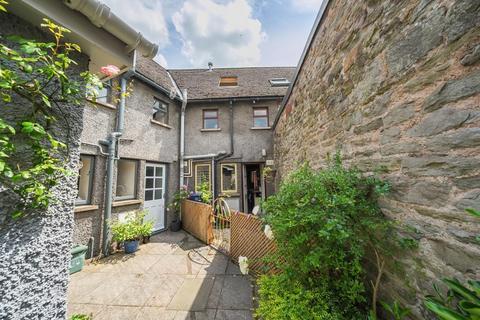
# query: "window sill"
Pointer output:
{"type": "Point", "coordinates": [210, 130]}
{"type": "Point", "coordinates": [160, 124]}
{"type": "Point", "coordinates": [126, 203]}
{"type": "Point", "coordinates": [261, 128]}
{"type": "Point", "coordinates": [84, 208]}
{"type": "Point", "coordinates": [103, 104]}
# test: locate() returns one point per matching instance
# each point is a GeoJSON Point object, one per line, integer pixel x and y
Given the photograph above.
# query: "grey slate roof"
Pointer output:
{"type": "Point", "coordinates": [252, 82]}
{"type": "Point", "coordinates": [155, 72]}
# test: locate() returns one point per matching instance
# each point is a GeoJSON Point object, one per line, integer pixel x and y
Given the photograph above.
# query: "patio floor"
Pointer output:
{"type": "Point", "coordinates": [174, 277]}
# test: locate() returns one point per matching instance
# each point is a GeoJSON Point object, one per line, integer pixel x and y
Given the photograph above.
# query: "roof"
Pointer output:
{"type": "Point", "coordinates": [203, 84]}
{"type": "Point", "coordinates": [155, 72]}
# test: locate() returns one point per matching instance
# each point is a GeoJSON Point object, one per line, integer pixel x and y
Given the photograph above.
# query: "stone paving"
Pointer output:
{"type": "Point", "coordinates": [174, 277]}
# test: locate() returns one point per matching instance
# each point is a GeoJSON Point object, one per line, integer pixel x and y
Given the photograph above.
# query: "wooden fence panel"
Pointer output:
{"type": "Point", "coordinates": [249, 240]}
{"type": "Point", "coordinates": [196, 220]}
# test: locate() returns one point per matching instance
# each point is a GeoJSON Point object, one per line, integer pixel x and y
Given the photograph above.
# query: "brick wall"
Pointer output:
{"type": "Point", "coordinates": [395, 86]}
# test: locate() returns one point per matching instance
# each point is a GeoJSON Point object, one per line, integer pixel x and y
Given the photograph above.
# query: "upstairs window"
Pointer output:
{"type": "Point", "coordinates": [279, 82]}
{"type": "Point", "coordinates": [210, 119]}
{"type": "Point", "coordinates": [160, 111]}
{"type": "Point", "coordinates": [126, 179]}
{"type": "Point", "coordinates": [260, 117]}
{"type": "Point", "coordinates": [103, 94]}
{"type": "Point", "coordinates": [228, 82]}
{"type": "Point", "coordinates": [85, 180]}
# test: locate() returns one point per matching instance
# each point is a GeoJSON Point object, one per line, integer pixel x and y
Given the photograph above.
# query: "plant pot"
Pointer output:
{"type": "Point", "coordinates": [175, 225]}
{"type": "Point", "coordinates": [130, 246]}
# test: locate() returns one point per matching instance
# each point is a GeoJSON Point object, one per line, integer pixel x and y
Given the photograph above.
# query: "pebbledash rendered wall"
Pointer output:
{"type": "Point", "coordinates": [35, 249]}
{"type": "Point", "coordinates": [395, 86]}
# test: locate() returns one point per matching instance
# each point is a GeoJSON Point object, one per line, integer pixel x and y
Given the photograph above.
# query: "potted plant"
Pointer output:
{"type": "Point", "coordinates": [176, 206]}
{"type": "Point", "coordinates": [130, 230]}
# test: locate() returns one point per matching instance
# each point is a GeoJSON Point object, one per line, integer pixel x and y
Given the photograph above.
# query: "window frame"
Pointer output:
{"type": "Point", "coordinates": [217, 117]}
{"type": "Point", "coordinates": [87, 201]}
{"type": "Point", "coordinates": [196, 186]}
{"type": "Point", "coordinates": [136, 179]}
{"type": "Point", "coordinates": [167, 112]}
{"type": "Point", "coordinates": [265, 116]}
{"type": "Point", "coordinates": [228, 83]}
{"type": "Point", "coordinates": [234, 174]}
{"type": "Point", "coordinates": [187, 168]}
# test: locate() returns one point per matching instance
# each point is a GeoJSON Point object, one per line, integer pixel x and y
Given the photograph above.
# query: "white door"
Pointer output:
{"type": "Point", "coordinates": [155, 195]}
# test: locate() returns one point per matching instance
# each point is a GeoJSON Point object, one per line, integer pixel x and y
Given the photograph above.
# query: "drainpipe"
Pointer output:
{"type": "Point", "coordinates": [182, 139]}
{"type": "Point", "coordinates": [112, 147]}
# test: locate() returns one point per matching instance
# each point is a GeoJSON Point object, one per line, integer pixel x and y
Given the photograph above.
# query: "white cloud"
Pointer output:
{"type": "Point", "coordinates": [161, 60]}
{"type": "Point", "coordinates": [307, 5]}
{"type": "Point", "coordinates": [224, 33]}
{"type": "Point", "coordinates": [146, 17]}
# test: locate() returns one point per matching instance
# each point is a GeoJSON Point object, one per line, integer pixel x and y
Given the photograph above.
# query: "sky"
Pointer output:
{"type": "Point", "coordinates": [229, 33]}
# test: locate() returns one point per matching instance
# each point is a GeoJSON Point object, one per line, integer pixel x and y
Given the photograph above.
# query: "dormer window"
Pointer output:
{"type": "Point", "coordinates": [228, 82]}
{"type": "Point", "coordinates": [279, 82]}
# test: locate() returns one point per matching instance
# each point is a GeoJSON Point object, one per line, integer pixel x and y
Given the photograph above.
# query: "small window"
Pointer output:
{"type": "Point", "coordinates": [228, 82]}
{"type": "Point", "coordinates": [103, 95]}
{"type": "Point", "coordinates": [229, 177]}
{"type": "Point", "coordinates": [126, 179]}
{"type": "Point", "coordinates": [85, 180]}
{"type": "Point", "coordinates": [202, 175]}
{"type": "Point", "coordinates": [279, 82]}
{"type": "Point", "coordinates": [160, 111]}
{"type": "Point", "coordinates": [210, 119]}
{"type": "Point", "coordinates": [260, 117]}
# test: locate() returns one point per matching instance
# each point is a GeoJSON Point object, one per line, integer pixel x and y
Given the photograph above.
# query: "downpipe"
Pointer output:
{"type": "Point", "coordinates": [112, 156]}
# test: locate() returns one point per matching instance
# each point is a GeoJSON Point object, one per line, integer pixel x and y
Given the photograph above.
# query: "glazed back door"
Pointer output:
{"type": "Point", "coordinates": [155, 195]}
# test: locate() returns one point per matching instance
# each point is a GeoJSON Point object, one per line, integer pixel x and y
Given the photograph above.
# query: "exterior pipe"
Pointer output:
{"type": "Point", "coordinates": [101, 16]}
{"type": "Point", "coordinates": [182, 140]}
{"type": "Point", "coordinates": [112, 147]}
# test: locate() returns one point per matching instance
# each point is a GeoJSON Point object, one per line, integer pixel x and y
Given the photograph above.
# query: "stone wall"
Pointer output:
{"type": "Point", "coordinates": [395, 86]}
{"type": "Point", "coordinates": [35, 249]}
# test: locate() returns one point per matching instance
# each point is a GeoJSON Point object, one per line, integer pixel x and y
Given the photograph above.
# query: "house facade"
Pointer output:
{"type": "Point", "coordinates": [227, 139]}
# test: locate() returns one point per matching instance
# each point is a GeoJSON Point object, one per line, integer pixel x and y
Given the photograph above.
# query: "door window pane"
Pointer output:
{"type": "Point", "coordinates": [158, 194]}
{"type": "Point", "coordinates": [159, 171]}
{"type": "Point", "coordinates": [229, 177]}
{"type": "Point", "coordinates": [150, 171]}
{"type": "Point", "coordinates": [158, 182]}
{"type": "Point", "coordinates": [149, 183]}
{"type": "Point", "coordinates": [126, 179]}
{"type": "Point", "coordinates": [85, 179]}
{"type": "Point", "coordinates": [148, 195]}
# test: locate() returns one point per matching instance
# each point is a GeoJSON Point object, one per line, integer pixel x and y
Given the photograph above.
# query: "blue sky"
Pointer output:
{"type": "Point", "coordinates": [231, 33]}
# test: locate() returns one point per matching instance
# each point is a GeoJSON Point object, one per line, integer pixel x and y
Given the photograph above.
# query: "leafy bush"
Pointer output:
{"type": "Point", "coordinates": [132, 228]}
{"type": "Point", "coordinates": [323, 223]}
{"type": "Point", "coordinates": [206, 193]}
{"type": "Point", "coordinates": [80, 317]}
{"type": "Point", "coordinates": [178, 197]}
{"type": "Point", "coordinates": [282, 298]}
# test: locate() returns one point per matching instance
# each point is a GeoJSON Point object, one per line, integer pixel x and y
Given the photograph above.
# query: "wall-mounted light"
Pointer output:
{"type": "Point", "coordinates": [264, 153]}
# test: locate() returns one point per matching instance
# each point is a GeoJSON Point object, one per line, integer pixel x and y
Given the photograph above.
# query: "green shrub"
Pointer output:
{"type": "Point", "coordinates": [80, 317]}
{"type": "Point", "coordinates": [132, 228]}
{"type": "Point", "coordinates": [323, 223]}
{"type": "Point", "coordinates": [281, 298]}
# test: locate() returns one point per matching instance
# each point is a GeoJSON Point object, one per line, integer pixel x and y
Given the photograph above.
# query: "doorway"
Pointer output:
{"type": "Point", "coordinates": [155, 195]}
{"type": "Point", "coordinates": [252, 186]}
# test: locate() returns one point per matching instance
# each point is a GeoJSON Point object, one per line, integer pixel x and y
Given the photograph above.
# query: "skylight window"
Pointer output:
{"type": "Point", "coordinates": [279, 82]}
{"type": "Point", "coordinates": [228, 82]}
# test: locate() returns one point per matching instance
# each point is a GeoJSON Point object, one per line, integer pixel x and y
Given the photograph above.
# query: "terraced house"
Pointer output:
{"type": "Point", "coordinates": [210, 126]}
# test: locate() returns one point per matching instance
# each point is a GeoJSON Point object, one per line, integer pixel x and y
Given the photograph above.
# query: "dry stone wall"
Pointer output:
{"type": "Point", "coordinates": [395, 86]}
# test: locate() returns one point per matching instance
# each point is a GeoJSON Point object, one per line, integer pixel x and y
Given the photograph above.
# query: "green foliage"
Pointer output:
{"type": "Point", "coordinates": [460, 303]}
{"type": "Point", "coordinates": [35, 74]}
{"type": "Point", "coordinates": [396, 310]}
{"type": "Point", "coordinates": [205, 193]}
{"type": "Point", "coordinates": [81, 317]}
{"type": "Point", "coordinates": [284, 299]}
{"type": "Point", "coordinates": [324, 223]}
{"type": "Point", "coordinates": [132, 228]}
{"type": "Point", "coordinates": [178, 197]}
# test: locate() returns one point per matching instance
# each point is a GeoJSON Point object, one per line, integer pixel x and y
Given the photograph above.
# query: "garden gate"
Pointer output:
{"type": "Point", "coordinates": [220, 221]}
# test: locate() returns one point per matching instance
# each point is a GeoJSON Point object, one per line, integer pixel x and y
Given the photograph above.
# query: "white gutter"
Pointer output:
{"type": "Point", "coordinates": [101, 16]}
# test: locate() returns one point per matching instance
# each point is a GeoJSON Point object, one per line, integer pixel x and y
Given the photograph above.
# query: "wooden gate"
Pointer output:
{"type": "Point", "coordinates": [220, 221]}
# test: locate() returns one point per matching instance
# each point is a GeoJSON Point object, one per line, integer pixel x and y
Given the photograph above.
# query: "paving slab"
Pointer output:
{"type": "Point", "coordinates": [174, 277]}
{"type": "Point", "coordinates": [193, 295]}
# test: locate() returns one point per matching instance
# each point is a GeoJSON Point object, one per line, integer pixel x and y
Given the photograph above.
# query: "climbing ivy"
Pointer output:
{"type": "Point", "coordinates": [35, 75]}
